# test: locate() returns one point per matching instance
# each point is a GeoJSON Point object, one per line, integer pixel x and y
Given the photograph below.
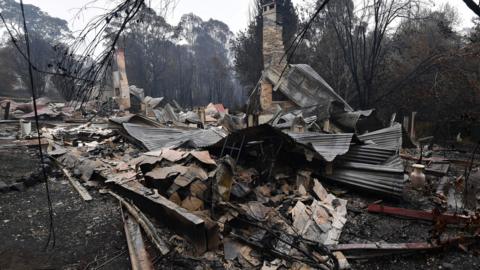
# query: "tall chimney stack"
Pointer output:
{"type": "Point", "coordinates": [273, 48]}
{"type": "Point", "coordinates": [120, 81]}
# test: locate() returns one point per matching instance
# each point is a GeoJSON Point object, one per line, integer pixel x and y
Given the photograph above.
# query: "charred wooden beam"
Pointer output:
{"type": "Point", "coordinates": [176, 218]}
{"type": "Point", "coordinates": [136, 247]}
{"type": "Point", "coordinates": [74, 182]}
{"type": "Point", "coordinates": [145, 223]}
{"type": "Point", "coordinates": [77, 186]}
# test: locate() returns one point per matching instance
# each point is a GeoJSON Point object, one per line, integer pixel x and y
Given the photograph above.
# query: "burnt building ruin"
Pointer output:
{"type": "Point", "coordinates": [285, 87]}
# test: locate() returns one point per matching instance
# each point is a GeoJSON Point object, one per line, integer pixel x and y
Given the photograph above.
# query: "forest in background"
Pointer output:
{"type": "Point", "coordinates": [191, 62]}
{"type": "Point", "coordinates": [397, 56]}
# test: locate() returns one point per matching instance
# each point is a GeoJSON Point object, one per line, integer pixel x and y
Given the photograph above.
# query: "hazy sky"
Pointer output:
{"type": "Point", "coordinates": [232, 12]}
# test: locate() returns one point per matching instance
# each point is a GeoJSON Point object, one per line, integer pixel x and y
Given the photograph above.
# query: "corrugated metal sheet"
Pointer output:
{"type": "Point", "coordinates": [154, 138]}
{"type": "Point", "coordinates": [369, 154]}
{"type": "Point", "coordinates": [384, 179]}
{"type": "Point", "coordinates": [135, 119]}
{"type": "Point", "coordinates": [350, 119]}
{"type": "Point", "coordinates": [372, 168]}
{"type": "Point", "coordinates": [305, 87]}
{"type": "Point", "coordinates": [389, 138]}
{"type": "Point", "coordinates": [329, 146]}
{"type": "Point", "coordinates": [395, 162]}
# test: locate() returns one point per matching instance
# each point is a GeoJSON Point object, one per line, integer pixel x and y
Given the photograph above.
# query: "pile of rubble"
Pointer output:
{"type": "Point", "coordinates": [241, 197]}
{"type": "Point", "coordinates": [211, 200]}
{"type": "Point", "coordinates": [230, 191]}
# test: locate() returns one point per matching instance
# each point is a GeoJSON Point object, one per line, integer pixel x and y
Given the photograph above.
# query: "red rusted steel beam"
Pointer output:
{"type": "Point", "coordinates": [371, 250]}
{"type": "Point", "coordinates": [417, 214]}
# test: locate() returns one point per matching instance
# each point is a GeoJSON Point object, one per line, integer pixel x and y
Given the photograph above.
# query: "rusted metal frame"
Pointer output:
{"type": "Point", "coordinates": [176, 218]}
{"type": "Point", "coordinates": [233, 148]}
{"type": "Point", "coordinates": [145, 223]}
{"type": "Point", "coordinates": [240, 149]}
{"type": "Point", "coordinates": [136, 247]}
{"type": "Point", "coordinates": [371, 250]}
{"type": "Point", "coordinates": [422, 215]}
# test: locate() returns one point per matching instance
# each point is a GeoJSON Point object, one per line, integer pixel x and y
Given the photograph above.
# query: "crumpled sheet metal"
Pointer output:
{"type": "Point", "coordinates": [152, 102]}
{"type": "Point", "coordinates": [135, 119]}
{"type": "Point", "coordinates": [305, 87]}
{"type": "Point", "coordinates": [45, 111]}
{"type": "Point", "coordinates": [167, 114]}
{"type": "Point", "coordinates": [154, 138]}
{"type": "Point", "coordinates": [329, 146]}
{"type": "Point", "coordinates": [388, 138]}
{"type": "Point", "coordinates": [287, 119]}
{"type": "Point", "coordinates": [350, 119]}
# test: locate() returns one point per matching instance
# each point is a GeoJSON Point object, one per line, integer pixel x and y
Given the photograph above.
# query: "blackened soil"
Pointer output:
{"type": "Point", "coordinates": [88, 235]}
{"type": "Point", "coordinates": [16, 162]}
{"type": "Point", "coordinates": [364, 227]}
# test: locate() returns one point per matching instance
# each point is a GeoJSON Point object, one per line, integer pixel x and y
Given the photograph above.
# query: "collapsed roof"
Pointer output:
{"type": "Point", "coordinates": [304, 86]}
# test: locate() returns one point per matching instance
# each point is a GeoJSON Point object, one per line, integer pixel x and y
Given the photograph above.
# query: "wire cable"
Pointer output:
{"type": "Point", "coordinates": [51, 230]}
{"type": "Point", "coordinates": [290, 52]}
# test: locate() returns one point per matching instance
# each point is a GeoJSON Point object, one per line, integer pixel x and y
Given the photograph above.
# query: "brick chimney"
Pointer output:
{"type": "Point", "coordinates": [273, 48]}
{"type": "Point", "coordinates": [120, 81]}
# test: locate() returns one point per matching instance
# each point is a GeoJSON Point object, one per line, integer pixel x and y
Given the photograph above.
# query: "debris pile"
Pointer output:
{"type": "Point", "coordinates": [217, 199]}
{"type": "Point", "coordinates": [251, 197]}
{"type": "Point", "coordinates": [263, 196]}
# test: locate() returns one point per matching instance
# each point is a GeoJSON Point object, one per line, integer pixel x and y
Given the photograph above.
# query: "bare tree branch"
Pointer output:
{"type": "Point", "coordinates": [473, 6]}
